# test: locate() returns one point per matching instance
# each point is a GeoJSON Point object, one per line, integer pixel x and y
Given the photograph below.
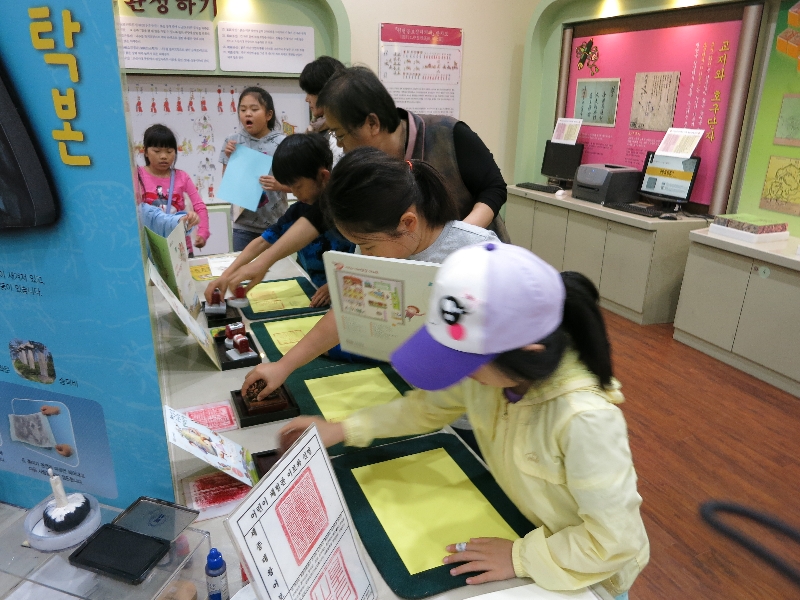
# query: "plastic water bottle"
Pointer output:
{"type": "Point", "coordinates": [216, 576]}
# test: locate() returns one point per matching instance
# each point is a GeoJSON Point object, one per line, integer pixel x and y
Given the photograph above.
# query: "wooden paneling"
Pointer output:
{"type": "Point", "coordinates": [702, 430]}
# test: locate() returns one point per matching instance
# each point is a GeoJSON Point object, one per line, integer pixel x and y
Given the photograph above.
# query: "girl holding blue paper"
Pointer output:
{"type": "Point", "coordinates": [257, 118]}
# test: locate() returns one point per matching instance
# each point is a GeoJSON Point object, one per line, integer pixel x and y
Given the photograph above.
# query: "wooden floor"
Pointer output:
{"type": "Point", "coordinates": [702, 430]}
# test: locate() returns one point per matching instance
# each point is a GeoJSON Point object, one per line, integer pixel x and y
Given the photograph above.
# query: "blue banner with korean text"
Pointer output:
{"type": "Point", "coordinates": [79, 387]}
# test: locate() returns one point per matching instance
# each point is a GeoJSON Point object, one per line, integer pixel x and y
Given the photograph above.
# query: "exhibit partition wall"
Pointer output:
{"type": "Point", "coordinates": [79, 388]}
{"type": "Point", "coordinates": [630, 78]}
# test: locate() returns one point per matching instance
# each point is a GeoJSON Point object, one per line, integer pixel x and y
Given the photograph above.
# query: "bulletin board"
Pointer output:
{"type": "Point", "coordinates": [630, 86]}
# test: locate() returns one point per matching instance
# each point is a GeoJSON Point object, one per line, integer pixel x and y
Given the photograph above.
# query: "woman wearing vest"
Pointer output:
{"type": "Point", "coordinates": [360, 112]}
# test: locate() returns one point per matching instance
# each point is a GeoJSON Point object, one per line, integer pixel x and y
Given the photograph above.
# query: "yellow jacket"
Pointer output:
{"type": "Point", "coordinates": [560, 454]}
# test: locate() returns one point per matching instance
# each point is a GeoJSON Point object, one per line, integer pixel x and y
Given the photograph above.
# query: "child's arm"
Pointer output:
{"type": "Point", "coordinates": [295, 239]}
{"type": "Point", "coordinates": [322, 337]}
{"type": "Point", "coordinates": [415, 413]}
{"type": "Point", "coordinates": [601, 479]}
{"type": "Point", "coordinates": [253, 249]}
{"type": "Point", "coordinates": [199, 207]}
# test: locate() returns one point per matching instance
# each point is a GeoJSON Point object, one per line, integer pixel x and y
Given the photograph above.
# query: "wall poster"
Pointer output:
{"type": "Point", "coordinates": [421, 67]}
{"type": "Point", "coordinates": [79, 389]}
{"type": "Point", "coordinates": [670, 77]}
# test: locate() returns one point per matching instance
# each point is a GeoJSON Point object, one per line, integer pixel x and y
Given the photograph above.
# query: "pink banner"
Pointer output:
{"type": "Point", "coordinates": [420, 34]}
{"type": "Point", "coordinates": [690, 67]}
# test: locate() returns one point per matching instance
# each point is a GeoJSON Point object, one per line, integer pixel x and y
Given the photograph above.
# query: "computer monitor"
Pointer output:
{"type": "Point", "coordinates": [668, 179]}
{"type": "Point", "coordinates": [561, 160]}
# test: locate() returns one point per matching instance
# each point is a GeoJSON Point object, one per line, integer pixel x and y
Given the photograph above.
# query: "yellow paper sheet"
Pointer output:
{"type": "Point", "coordinates": [277, 295]}
{"type": "Point", "coordinates": [425, 502]}
{"type": "Point", "coordinates": [201, 273]}
{"type": "Point", "coordinates": [285, 334]}
{"type": "Point", "coordinates": [339, 395]}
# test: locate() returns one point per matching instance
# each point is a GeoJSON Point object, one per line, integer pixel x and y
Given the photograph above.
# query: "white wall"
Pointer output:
{"type": "Point", "coordinates": [494, 40]}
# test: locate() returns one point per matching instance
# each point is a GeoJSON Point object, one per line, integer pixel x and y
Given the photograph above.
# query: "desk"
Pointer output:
{"type": "Point", "coordinates": [636, 262]}
{"type": "Point", "coordinates": [740, 303]}
{"type": "Point", "coordinates": [188, 378]}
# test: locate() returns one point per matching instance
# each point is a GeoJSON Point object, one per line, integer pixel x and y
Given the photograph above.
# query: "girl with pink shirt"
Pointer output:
{"type": "Point", "coordinates": [158, 176]}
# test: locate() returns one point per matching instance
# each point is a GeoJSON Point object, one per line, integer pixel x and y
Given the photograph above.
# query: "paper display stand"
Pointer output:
{"type": "Point", "coordinates": [278, 309]}
{"type": "Point", "coordinates": [378, 302]}
{"type": "Point", "coordinates": [170, 256]}
{"type": "Point", "coordinates": [294, 534]}
{"type": "Point", "coordinates": [377, 541]}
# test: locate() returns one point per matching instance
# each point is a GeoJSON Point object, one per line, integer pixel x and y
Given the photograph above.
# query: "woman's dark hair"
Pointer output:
{"type": "Point", "coordinates": [582, 326]}
{"type": "Point", "coordinates": [158, 136]}
{"type": "Point", "coordinates": [369, 191]}
{"type": "Point", "coordinates": [352, 94]}
{"type": "Point", "coordinates": [301, 155]}
{"type": "Point", "coordinates": [316, 74]}
{"type": "Point", "coordinates": [263, 98]}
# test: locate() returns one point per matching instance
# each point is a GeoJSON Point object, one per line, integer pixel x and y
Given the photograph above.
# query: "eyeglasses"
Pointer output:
{"type": "Point", "coordinates": [340, 137]}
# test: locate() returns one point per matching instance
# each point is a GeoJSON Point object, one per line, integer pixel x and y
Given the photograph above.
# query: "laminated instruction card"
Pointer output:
{"type": "Point", "coordinates": [294, 534]}
{"type": "Point", "coordinates": [378, 302]}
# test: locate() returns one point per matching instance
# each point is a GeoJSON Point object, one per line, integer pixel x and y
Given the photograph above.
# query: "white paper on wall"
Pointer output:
{"type": "Point", "coordinates": [178, 44]}
{"type": "Point", "coordinates": [261, 48]}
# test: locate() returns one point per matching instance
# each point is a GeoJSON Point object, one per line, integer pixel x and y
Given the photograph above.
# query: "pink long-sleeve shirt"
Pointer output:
{"type": "Point", "coordinates": [183, 184]}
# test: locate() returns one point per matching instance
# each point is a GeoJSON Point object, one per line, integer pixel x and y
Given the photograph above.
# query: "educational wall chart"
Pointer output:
{"type": "Point", "coordinates": [177, 44]}
{"type": "Point", "coordinates": [260, 47]}
{"type": "Point", "coordinates": [76, 344]}
{"type": "Point", "coordinates": [202, 112]}
{"type": "Point", "coordinates": [773, 159]}
{"type": "Point", "coordinates": [378, 302]}
{"type": "Point", "coordinates": [294, 534]}
{"type": "Point", "coordinates": [421, 67]}
{"type": "Point", "coordinates": [670, 77]}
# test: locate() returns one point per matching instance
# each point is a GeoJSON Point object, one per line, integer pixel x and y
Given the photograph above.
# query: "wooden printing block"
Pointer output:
{"type": "Point", "coordinates": [277, 400]}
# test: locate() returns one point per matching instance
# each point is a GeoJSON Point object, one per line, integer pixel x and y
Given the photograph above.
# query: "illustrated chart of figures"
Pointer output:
{"type": "Point", "coordinates": [408, 62]}
{"type": "Point", "coordinates": [295, 534]}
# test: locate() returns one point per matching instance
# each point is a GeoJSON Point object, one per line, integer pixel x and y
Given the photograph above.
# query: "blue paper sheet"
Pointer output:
{"type": "Point", "coordinates": [240, 185]}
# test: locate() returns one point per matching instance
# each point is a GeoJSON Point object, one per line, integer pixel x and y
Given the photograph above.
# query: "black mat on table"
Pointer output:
{"type": "Point", "coordinates": [307, 287]}
{"type": "Point", "coordinates": [376, 541]}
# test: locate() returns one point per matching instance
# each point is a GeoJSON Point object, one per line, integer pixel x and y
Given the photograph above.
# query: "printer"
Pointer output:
{"type": "Point", "coordinates": [606, 183]}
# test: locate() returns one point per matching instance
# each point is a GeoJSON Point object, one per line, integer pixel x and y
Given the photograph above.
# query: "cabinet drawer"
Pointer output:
{"type": "Point", "coordinates": [585, 244]}
{"type": "Point", "coordinates": [626, 265]}
{"type": "Point", "coordinates": [549, 232]}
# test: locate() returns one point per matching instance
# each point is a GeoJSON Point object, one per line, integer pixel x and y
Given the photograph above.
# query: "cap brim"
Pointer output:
{"type": "Point", "coordinates": [425, 363]}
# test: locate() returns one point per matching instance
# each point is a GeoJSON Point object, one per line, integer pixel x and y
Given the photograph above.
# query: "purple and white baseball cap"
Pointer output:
{"type": "Point", "coordinates": [487, 299]}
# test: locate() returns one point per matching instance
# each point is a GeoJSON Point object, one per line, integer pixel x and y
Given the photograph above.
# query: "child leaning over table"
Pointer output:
{"type": "Point", "coordinates": [302, 162]}
{"type": "Point", "coordinates": [523, 351]}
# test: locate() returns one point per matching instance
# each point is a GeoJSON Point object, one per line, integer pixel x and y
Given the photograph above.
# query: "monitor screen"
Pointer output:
{"type": "Point", "coordinates": [561, 160]}
{"type": "Point", "coordinates": [668, 178]}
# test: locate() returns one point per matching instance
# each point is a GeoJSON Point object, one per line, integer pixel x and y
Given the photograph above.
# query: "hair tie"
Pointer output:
{"type": "Point", "coordinates": [410, 166]}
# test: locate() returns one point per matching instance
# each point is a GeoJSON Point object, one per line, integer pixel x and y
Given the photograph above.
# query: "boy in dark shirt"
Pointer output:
{"type": "Point", "coordinates": [303, 162]}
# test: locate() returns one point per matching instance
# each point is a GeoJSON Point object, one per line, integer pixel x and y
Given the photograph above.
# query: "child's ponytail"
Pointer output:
{"type": "Point", "coordinates": [584, 323]}
{"type": "Point", "coordinates": [582, 326]}
{"type": "Point", "coordinates": [437, 205]}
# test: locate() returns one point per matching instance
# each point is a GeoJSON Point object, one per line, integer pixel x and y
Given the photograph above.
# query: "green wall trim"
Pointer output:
{"type": "Point", "coordinates": [541, 63]}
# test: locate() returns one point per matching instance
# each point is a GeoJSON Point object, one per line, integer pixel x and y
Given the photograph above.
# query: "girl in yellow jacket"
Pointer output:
{"type": "Point", "coordinates": [523, 351]}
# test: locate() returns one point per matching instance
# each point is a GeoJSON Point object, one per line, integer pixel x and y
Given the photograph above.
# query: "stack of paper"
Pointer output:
{"type": "Point", "coordinates": [750, 228]}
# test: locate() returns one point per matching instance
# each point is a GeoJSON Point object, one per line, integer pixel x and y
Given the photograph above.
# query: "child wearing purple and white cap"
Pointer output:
{"type": "Point", "coordinates": [523, 351]}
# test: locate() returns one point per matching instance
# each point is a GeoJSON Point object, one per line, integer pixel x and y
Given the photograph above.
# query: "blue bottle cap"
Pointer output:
{"type": "Point", "coordinates": [215, 560]}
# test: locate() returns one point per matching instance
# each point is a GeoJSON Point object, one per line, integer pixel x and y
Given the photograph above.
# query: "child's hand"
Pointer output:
{"type": "Point", "coordinates": [272, 373]}
{"type": "Point", "coordinates": [250, 272]}
{"type": "Point", "coordinates": [330, 433]}
{"type": "Point", "coordinates": [229, 148]}
{"type": "Point", "coordinates": [270, 184]}
{"type": "Point", "coordinates": [220, 283]}
{"type": "Point", "coordinates": [191, 219]}
{"type": "Point", "coordinates": [50, 410]}
{"type": "Point", "coordinates": [490, 555]}
{"type": "Point", "coordinates": [322, 297]}
{"type": "Point", "coordinates": [199, 242]}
